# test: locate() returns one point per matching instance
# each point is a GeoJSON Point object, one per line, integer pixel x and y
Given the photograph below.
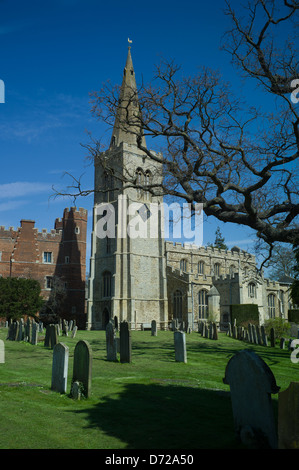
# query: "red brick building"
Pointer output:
{"type": "Point", "coordinates": [53, 258]}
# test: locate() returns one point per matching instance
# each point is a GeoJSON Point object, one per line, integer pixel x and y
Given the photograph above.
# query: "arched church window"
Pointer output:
{"type": "Point", "coordinates": [108, 185]}
{"type": "Point", "coordinates": [217, 269]}
{"type": "Point", "coordinates": [139, 181]}
{"type": "Point", "coordinates": [147, 182]}
{"type": "Point", "coordinates": [203, 304]}
{"type": "Point", "coordinates": [183, 265]}
{"type": "Point", "coordinates": [252, 290]}
{"type": "Point", "coordinates": [107, 278]}
{"type": "Point", "coordinates": [271, 305]}
{"type": "Point", "coordinates": [201, 267]}
{"type": "Point", "coordinates": [178, 305]}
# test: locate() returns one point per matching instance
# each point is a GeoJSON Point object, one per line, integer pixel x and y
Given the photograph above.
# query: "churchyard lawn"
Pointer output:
{"type": "Point", "coordinates": [153, 402]}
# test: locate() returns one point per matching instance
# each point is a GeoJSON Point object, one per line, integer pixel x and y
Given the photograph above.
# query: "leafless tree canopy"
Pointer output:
{"type": "Point", "coordinates": [239, 161]}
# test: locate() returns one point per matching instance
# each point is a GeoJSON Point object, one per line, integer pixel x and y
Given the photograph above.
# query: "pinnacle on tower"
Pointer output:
{"type": "Point", "coordinates": [127, 125]}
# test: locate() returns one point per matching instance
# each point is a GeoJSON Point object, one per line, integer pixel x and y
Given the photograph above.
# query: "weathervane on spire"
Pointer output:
{"type": "Point", "coordinates": [129, 42]}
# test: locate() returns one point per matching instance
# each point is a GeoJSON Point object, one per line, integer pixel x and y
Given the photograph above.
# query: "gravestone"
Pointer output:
{"type": "Point", "coordinates": [254, 337]}
{"type": "Point", "coordinates": [60, 367]}
{"type": "Point", "coordinates": [215, 332]}
{"type": "Point", "coordinates": [258, 335]}
{"type": "Point", "coordinates": [21, 330]}
{"type": "Point", "coordinates": [264, 336]}
{"type": "Point", "coordinates": [250, 332]}
{"type": "Point", "coordinates": [110, 342]}
{"type": "Point", "coordinates": [82, 366]}
{"type": "Point", "coordinates": [125, 343]}
{"type": "Point", "coordinates": [282, 343]}
{"type": "Point", "coordinates": [229, 329]}
{"type": "Point", "coordinates": [47, 337]}
{"type": "Point", "coordinates": [251, 384]}
{"type": "Point", "coordinates": [272, 338]}
{"type": "Point", "coordinates": [2, 352]}
{"type": "Point", "coordinates": [74, 332]}
{"type": "Point", "coordinates": [154, 328]}
{"type": "Point", "coordinates": [53, 338]}
{"type": "Point", "coordinates": [34, 333]}
{"type": "Point", "coordinates": [180, 346]}
{"type": "Point", "coordinates": [288, 417]}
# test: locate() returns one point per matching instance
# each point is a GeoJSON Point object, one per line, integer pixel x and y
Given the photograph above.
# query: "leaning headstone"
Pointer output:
{"type": "Point", "coordinates": [60, 367]}
{"type": "Point", "coordinates": [254, 336]}
{"type": "Point", "coordinates": [74, 332]}
{"type": "Point", "coordinates": [180, 346]}
{"type": "Point", "coordinates": [110, 342]}
{"type": "Point", "coordinates": [154, 328]}
{"type": "Point", "coordinates": [229, 330]}
{"type": "Point", "coordinates": [82, 366]}
{"type": "Point", "coordinates": [264, 336]}
{"type": "Point", "coordinates": [2, 352]}
{"type": "Point", "coordinates": [259, 336]}
{"type": "Point", "coordinates": [250, 332]}
{"type": "Point", "coordinates": [125, 344]}
{"type": "Point", "coordinates": [288, 417]}
{"type": "Point", "coordinates": [251, 383]}
{"type": "Point", "coordinates": [272, 338]}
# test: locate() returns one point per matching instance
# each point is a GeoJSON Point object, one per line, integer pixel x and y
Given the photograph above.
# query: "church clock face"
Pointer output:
{"type": "Point", "coordinates": [144, 212]}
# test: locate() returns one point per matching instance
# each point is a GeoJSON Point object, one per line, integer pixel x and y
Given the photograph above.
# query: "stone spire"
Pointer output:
{"type": "Point", "coordinates": [126, 126]}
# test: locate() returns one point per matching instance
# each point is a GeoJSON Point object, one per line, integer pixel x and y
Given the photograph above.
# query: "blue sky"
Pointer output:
{"type": "Point", "coordinates": [53, 54]}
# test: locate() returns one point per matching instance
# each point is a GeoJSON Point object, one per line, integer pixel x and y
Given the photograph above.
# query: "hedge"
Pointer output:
{"type": "Point", "coordinates": [293, 315]}
{"type": "Point", "coordinates": [244, 314]}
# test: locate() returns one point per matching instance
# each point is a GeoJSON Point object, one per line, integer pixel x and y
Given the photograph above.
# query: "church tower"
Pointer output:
{"type": "Point", "coordinates": [127, 266]}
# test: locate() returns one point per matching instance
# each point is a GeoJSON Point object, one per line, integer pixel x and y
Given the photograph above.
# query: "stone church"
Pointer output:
{"type": "Point", "coordinates": [145, 278]}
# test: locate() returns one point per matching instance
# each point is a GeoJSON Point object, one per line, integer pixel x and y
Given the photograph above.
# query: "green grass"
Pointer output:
{"type": "Point", "coordinates": [152, 403]}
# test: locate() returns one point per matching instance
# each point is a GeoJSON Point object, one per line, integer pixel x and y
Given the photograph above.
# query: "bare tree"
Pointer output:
{"type": "Point", "coordinates": [239, 162]}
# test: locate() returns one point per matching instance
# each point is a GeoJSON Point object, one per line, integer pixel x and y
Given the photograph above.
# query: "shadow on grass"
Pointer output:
{"type": "Point", "coordinates": [159, 416]}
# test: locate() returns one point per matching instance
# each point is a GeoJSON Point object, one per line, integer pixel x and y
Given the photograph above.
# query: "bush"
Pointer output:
{"type": "Point", "coordinates": [281, 327]}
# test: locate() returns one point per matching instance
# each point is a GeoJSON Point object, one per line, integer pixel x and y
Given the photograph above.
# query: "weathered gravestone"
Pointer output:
{"type": "Point", "coordinates": [180, 346]}
{"type": "Point", "coordinates": [154, 328]}
{"type": "Point", "coordinates": [60, 367]}
{"type": "Point", "coordinates": [111, 346]}
{"type": "Point", "coordinates": [125, 343]}
{"type": "Point", "coordinates": [251, 384]}
{"type": "Point", "coordinates": [74, 332]}
{"type": "Point", "coordinates": [288, 417]}
{"type": "Point", "coordinates": [82, 366]}
{"type": "Point", "coordinates": [2, 352]}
